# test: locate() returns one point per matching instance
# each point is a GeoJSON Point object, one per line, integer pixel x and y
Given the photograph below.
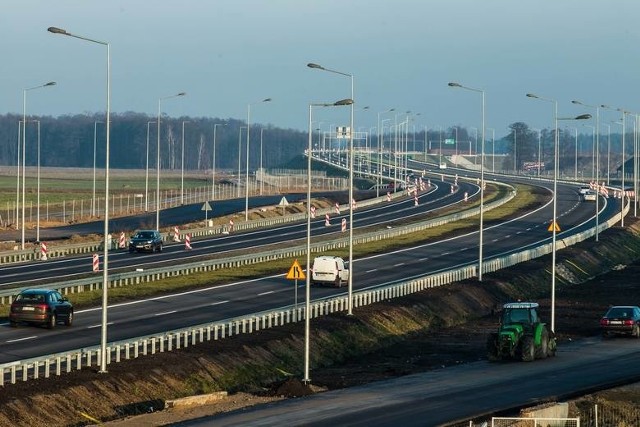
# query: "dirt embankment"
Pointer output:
{"type": "Point", "coordinates": [435, 328]}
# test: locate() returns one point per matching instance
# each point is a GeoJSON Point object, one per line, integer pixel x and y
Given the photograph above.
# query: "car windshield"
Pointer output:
{"type": "Point", "coordinates": [516, 315]}
{"type": "Point", "coordinates": [144, 235]}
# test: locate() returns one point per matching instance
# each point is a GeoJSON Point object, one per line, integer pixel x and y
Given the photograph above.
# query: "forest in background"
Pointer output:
{"type": "Point", "coordinates": [68, 141]}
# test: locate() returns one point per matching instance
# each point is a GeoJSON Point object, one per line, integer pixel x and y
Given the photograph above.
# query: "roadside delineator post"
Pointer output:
{"type": "Point", "coordinates": [122, 243]}
{"type": "Point", "coordinates": [96, 263]}
{"type": "Point", "coordinates": [176, 234]}
{"type": "Point", "coordinates": [43, 251]}
{"type": "Point", "coordinates": [343, 226]}
{"type": "Point", "coordinates": [187, 242]}
{"type": "Point", "coordinates": [327, 220]}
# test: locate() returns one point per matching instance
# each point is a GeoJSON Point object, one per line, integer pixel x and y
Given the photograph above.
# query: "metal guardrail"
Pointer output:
{"type": "Point", "coordinates": [58, 251]}
{"type": "Point", "coordinates": [136, 277]}
{"type": "Point", "coordinates": [56, 364]}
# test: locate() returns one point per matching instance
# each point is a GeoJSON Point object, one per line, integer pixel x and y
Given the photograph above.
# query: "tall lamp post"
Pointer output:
{"type": "Point", "coordinates": [182, 166]}
{"type": "Point", "coordinates": [246, 183]}
{"type": "Point", "coordinates": [608, 147]}
{"type": "Point", "coordinates": [350, 292]}
{"type": "Point", "coordinates": [158, 205]}
{"type": "Point", "coordinates": [593, 144]}
{"type": "Point", "coordinates": [261, 136]}
{"type": "Point", "coordinates": [380, 146]}
{"type": "Point", "coordinates": [93, 191]}
{"type": "Point", "coordinates": [213, 161]}
{"type": "Point", "coordinates": [624, 128]}
{"type": "Point", "coordinates": [146, 175]}
{"type": "Point", "coordinates": [554, 225]}
{"type": "Point", "coordinates": [105, 269]}
{"type": "Point", "coordinates": [493, 149]}
{"type": "Point", "coordinates": [24, 153]}
{"type": "Point", "coordinates": [596, 130]}
{"type": "Point", "coordinates": [307, 317]}
{"type": "Point", "coordinates": [38, 192]}
{"type": "Point", "coordinates": [480, 91]}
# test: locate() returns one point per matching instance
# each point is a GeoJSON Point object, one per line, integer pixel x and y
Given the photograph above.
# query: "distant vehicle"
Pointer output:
{"type": "Point", "coordinates": [329, 270]}
{"type": "Point", "coordinates": [146, 241]}
{"type": "Point", "coordinates": [40, 306]}
{"type": "Point", "coordinates": [589, 196]}
{"type": "Point", "coordinates": [521, 335]}
{"type": "Point", "coordinates": [443, 166]}
{"type": "Point", "coordinates": [621, 320]}
{"type": "Point", "coordinates": [584, 189]}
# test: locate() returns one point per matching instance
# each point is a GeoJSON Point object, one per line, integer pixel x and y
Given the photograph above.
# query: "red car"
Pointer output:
{"type": "Point", "coordinates": [621, 320]}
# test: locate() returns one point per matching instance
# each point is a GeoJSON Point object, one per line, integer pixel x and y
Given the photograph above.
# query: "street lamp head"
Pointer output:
{"type": "Point", "coordinates": [49, 84]}
{"type": "Point", "coordinates": [56, 30]}
{"type": "Point", "coordinates": [604, 106]}
{"type": "Point", "coordinates": [576, 102]}
{"type": "Point", "coordinates": [181, 94]}
{"type": "Point", "coordinates": [312, 65]}
{"type": "Point", "coordinates": [454, 84]}
{"type": "Point", "coordinates": [347, 101]}
{"type": "Point", "coordinates": [531, 95]}
{"type": "Point", "coordinates": [583, 117]}
{"type": "Point", "coordinates": [266, 100]}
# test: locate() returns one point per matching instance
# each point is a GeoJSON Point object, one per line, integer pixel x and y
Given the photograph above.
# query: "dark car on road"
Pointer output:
{"type": "Point", "coordinates": [621, 320]}
{"type": "Point", "coordinates": [146, 241]}
{"type": "Point", "coordinates": [40, 306]}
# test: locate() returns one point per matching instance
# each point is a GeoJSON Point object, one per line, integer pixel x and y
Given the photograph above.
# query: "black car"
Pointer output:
{"type": "Point", "coordinates": [146, 241]}
{"type": "Point", "coordinates": [622, 320]}
{"type": "Point", "coordinates": [41, 306]}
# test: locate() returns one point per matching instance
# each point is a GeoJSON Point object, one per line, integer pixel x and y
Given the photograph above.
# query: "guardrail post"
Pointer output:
{"type": "Point", "coordinates": [58, 366]}
{"type": "Point", "coordinates": [13, 374]}
{"type": "Point", "coordinates": [25, 372]}
{"type": "Point", "coordinates": [36, 370]}
{"type": "Point", "coordinates": [68, 363]}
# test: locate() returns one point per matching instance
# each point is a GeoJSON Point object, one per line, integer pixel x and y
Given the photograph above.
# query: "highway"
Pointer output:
{"type": "Point", "coordinates": [454, 394]}
{"type": "Point", "coordinates": [157, 315]}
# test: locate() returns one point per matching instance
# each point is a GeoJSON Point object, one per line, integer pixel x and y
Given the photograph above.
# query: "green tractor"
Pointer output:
{"type": "Point", "coordinates": [521, 335]}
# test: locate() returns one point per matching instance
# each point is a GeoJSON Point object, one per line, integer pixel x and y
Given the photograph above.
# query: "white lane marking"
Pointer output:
{"type": "Point", "coordinates": [165, 313]}
{"type": "Point", "coordinates": [98, 325]}
{"type": "Point", "coordinates": [265, 293]}
{"type": "Point", "coordinates": [22, 339]}
{"type": "Point", "coordinates": [371, 271]}
{"type": "Point", "coordinates": [219, 302]}
{"type": "Point", "coordinates": [398, 264]}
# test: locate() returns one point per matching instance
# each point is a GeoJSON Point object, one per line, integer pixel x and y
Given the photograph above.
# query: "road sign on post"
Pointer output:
{"type": "Point", "coordinates": [296, 272]}
{"type": "Point", "coordinates": [206, 208]}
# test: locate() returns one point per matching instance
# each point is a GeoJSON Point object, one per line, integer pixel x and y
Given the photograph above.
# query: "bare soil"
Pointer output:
{"type": "Point", "coordinates": [433, 329]}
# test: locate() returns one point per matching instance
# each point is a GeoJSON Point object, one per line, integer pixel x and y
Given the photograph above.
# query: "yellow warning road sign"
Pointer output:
{"type": "Point", "coordinates": [553, 225]}
{"type": "Point", "coordinates": [296, 272]}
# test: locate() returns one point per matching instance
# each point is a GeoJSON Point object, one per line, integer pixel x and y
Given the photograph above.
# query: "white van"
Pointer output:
{"type": "Point", "coordinates": [329, 270]}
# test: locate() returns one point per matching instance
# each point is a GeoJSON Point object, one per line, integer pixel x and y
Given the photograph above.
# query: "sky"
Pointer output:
{"type": "Point", "coordinates": [228, 55]}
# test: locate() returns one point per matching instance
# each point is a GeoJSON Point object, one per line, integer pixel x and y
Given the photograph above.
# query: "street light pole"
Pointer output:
{"type": "Point", "coordinates": [38, 196]}
{"type": "Point", "coordinates": [350, 292]}
{"type": "Point", "coordinates": [482, 184]}
{"type": "Point", "coordinates": [380, 147]}
{"type": "Point", "coordinates": [24, 152]}
{"type": "Point", "coordinates": [554, 225]}
{"type": "Point", "coordinates": [307, 310]}
{"type": "Point", "coordinates": [146, 176]}
{"type": "Point", "coordinates": [493, 149]}
{"type": "Point", "coordinates": [158, 205]}
{"type": "Point", "coordinates": [213, 162]}
{"type": "Point", "coordinates": [182, 166]}
{"type": "Point", "coordinates": [246, 184]}
{"type": "Point", "coordinates": [93, 193]}
{"type": "Point", "coordinates": [105, 270]}
{"type": "Point", "coordinates": [262, 180]}
{"type": "Point", "coordinates": [624, 128]}
{"type": "Point", "coordinates": [596, 130]}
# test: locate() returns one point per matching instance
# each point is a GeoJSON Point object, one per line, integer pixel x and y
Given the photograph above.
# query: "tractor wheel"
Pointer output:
{"type": "Point", "coordinates": [542, 351]}
{"type": "Point", "coordinates": [528, 349]}
{"type": "Point", "coordinates": [492, 348]}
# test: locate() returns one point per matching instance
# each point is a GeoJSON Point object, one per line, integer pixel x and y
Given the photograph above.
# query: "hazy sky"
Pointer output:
{"type": "Point", "coordinates": [227, 54]}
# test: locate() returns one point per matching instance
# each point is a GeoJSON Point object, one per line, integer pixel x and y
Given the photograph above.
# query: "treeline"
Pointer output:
{"type": "Point", "coordinates": [68, 141]}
